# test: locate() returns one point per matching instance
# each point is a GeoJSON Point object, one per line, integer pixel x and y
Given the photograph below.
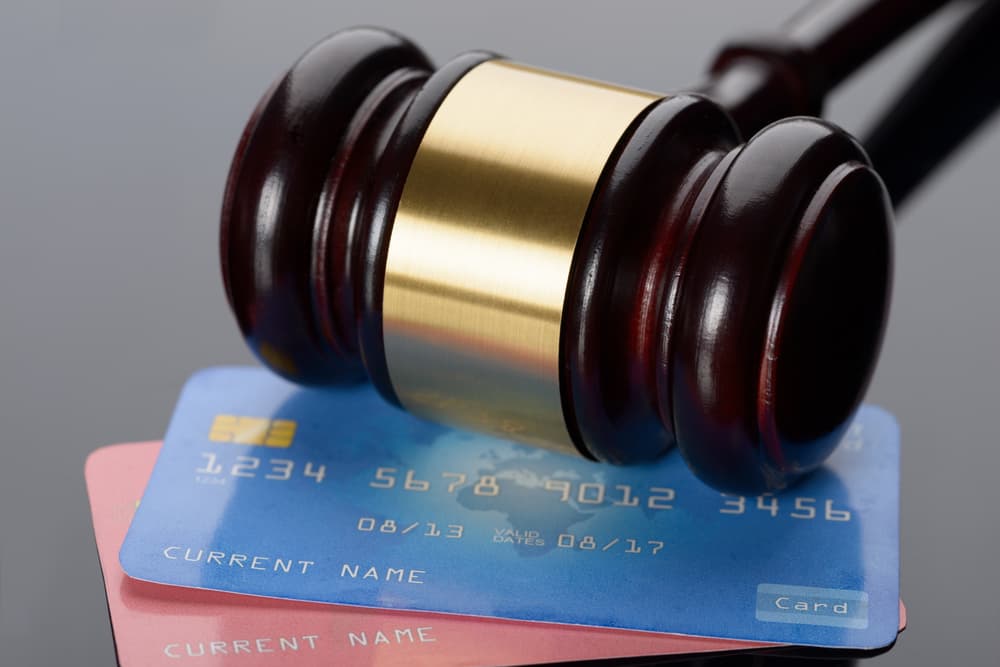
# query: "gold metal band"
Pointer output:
{"type": "Point", "coordinates": [483, 241]}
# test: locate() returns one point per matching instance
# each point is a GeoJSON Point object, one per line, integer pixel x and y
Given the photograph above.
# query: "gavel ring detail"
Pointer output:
{"type": "Point", "coordinates": [563, 262]}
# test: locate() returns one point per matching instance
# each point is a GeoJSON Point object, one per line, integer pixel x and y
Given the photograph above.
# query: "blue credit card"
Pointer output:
{"type": "Point", "coordinates": [334, 496]}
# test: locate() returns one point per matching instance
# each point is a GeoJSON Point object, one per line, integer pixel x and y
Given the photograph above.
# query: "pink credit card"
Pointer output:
{"type": "Point", "coordinates": [163, 625]}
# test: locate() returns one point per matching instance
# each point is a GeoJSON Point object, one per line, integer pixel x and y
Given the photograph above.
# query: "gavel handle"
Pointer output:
{"type": "Point", "coordinates": [840, 37]}
{"type": "Point", "coordinates": [954, 92]}
{"type": "Point", "coordinates": [789, 73]}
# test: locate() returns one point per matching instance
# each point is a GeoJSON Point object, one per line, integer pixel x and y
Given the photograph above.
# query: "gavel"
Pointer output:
{"type": "Point", "coordinates": [572, 264]}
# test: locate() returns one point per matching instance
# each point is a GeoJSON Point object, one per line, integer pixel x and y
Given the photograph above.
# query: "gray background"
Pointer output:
{"type": "Point", "coordinates": [117, 123]}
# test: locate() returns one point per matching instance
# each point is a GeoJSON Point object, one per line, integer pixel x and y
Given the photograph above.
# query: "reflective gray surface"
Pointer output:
{"type": "Point", "coordinates": [117, 123]}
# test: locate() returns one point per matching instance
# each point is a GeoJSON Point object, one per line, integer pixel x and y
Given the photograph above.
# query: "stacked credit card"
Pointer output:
{"type": "Point", "coordinates": [280, 525]}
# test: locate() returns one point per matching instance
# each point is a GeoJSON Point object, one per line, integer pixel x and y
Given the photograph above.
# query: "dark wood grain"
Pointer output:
{"type": "Point", "coordinates": [761, 390]}
{"type": "Point", "coordinates": [295, 153]}
{"type": "Point", "coordinates": [761, 78]}
{"type": "Point", "coordinates": [623, 272]}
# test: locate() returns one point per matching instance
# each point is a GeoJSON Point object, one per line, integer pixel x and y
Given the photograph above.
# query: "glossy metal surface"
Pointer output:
{"type": "Point", "coordinates": [483, 242]}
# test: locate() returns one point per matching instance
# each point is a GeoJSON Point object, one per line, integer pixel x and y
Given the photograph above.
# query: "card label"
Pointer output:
{"type": "Point", "coordinates": [812, 606]}
{"type": "Point", "coordinates": [367, 505]}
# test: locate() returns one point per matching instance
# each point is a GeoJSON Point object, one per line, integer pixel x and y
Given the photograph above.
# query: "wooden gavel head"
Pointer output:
{"type": "Point", "coordinates": [563, 262]}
